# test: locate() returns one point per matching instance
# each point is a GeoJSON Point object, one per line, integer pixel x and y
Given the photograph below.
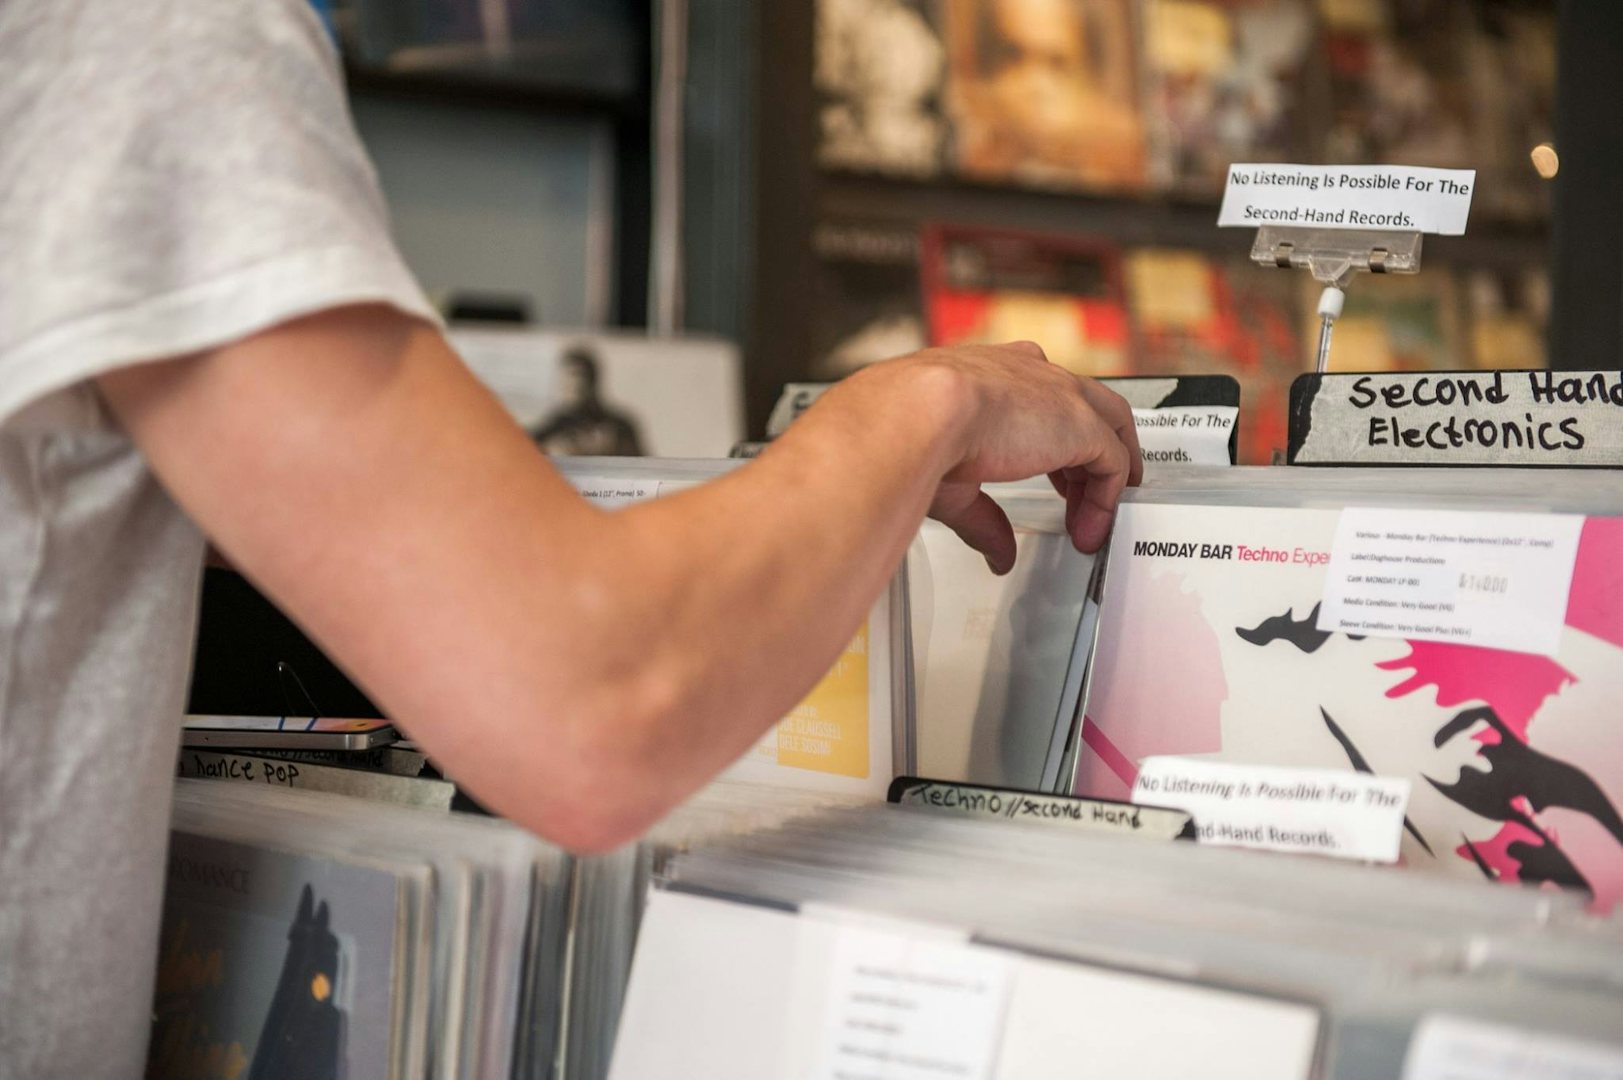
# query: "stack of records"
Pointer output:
{"type": "Point", "coordinates": [891, 941]}
{"type": "Point", "coordinates": [610, 892]}
{"type": "Point", "coordinates": [316, 935]}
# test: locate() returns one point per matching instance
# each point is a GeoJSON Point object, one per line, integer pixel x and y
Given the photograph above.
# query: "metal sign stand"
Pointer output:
{"type": "Point", "coordinates": [1334, 257]}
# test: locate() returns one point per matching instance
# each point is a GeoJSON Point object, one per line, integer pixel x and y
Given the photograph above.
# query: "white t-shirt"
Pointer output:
{"type": "Point", "coordinates": [174, 175]}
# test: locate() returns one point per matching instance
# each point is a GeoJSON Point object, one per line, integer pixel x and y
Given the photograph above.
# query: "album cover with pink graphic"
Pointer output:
{"type": "Point", "coordinates": [1208, 648]}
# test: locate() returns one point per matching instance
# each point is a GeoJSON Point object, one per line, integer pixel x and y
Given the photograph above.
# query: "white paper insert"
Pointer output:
{"type": "Point", "coordinates": [905, 1006]}
{"type": "Point", "coordinates": [1388, 197]}
{"type": "Point", "coordinates": [1185, 434]}
{"type": "Point", "coordinates": [1495, 580]}
{"type": "Point", "coordinates": [1454, 1048]}
{"type": "Point", "coordinates": [1314, 811]}
{"type": "Point", "coordinates": [611, 494]}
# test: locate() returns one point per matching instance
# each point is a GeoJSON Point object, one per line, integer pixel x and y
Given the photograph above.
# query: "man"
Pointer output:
{"type": "Point", "coordinates": [205, 330]}
{"type": "Point", "coordinates": [584, 424]}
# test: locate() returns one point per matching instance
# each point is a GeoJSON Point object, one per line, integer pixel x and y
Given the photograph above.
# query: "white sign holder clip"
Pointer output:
{"type": "Point", "coordinates": [1334, 257]}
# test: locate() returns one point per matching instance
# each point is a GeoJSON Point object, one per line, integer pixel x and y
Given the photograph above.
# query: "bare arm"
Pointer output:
{"type": "Point", "coordinates": [583, 671]}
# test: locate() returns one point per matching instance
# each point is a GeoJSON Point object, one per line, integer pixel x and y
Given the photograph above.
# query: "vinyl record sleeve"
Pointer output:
{"type": "Point", "coordinates": [1516, 766]}
{"type": "Point", "coordinates": [1226, 82]}
{"type": "Point", "coordinates": [283, 964]}
{"type": "Point", "coordinates": [1045, 94]}
{"type": "Point", "coordinates": [992, 654]}
{"type": "Point", "coordinates": [986, 286]}
{"type": "Point", "coordinates": [594, 392]}
{"type": "Point", "coordinates": [1197, 314]}
{"type": "Point", "coordinates": [878, 73]}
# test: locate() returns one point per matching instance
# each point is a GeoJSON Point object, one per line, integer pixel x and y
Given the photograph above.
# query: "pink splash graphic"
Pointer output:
{"type": "Point", "coordinates": [1515, 685]}
{"type": "Point", "coordinates": [1160, 687]}
{"type": "Point", "coordinates": [1495, 851]}
{"type": "Point", "coordinates": [1595, 604]}
{"type": "Point", "coordinates": [1120, 767]}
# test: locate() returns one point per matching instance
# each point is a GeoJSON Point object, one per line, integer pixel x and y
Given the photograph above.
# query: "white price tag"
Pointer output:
{"type": "Point", "coordinates": [1454, 1048]}
{"type": "Point", "coordinates": [1386, 197]}
{"type": "Point", "coordinates": [610, 494]}
{"type": "Point", "coordinates": [1185, 434]}
{"type": "Point", "coordinates": [1495, 580]}
{"type": "Point", "coordinates": [1347, 815]}
{"type": "Point", "coordinates": [911, 1007]}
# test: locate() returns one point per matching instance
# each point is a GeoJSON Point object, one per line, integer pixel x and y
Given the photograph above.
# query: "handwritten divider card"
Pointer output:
{"type": "Point", "coordinates": [1553, 419]}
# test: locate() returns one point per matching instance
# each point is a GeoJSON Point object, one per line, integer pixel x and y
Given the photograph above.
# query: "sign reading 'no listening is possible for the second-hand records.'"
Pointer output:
{"type": "Point", "coordinates": [1349, 197]}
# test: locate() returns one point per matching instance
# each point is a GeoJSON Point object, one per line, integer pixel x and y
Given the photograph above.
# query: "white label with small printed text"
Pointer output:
{"type": "Point", "coordinates": [1383, 197]}
{"type": "Point", "coordinates": [1495, 580]}
{"type": "Point", "coordinates": [1345, 815]}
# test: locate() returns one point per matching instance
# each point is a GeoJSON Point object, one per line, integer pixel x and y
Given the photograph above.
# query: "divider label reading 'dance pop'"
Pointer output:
{"type": "Point", "coordinates": [1185, 434]}
{"type": "Point", "coordinates": [1316, 811]}
{"type": "Point", "coordinates": [1349, 197]}
{"type": "Point", "coordinates": [1495, 580]}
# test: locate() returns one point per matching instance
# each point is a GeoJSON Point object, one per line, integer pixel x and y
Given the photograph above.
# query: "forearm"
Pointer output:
{"type": "Point", "coordinates": [694, 622]}
{"type": "Point", "coordinates": [765, 574]}
{"type": "Point", "coordinates": [580, 670]}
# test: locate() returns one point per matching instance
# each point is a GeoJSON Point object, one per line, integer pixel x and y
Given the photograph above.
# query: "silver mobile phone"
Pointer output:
{"type": "Point", "coordinates": [288, 732]}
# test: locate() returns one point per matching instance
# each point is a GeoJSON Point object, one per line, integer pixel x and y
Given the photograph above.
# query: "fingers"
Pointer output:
{"type": "Point", "coordinates": [1115, 411]}
{"type": "Point", "coordinates": [1028, 348]}
{"type": "Point", "coordinates": [1093, 487]}
{"type": "Point", "coordinates": [979, 522]}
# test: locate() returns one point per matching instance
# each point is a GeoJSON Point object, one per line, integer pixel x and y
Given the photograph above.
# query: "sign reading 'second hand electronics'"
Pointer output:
{"type": "Point", "coordinates": [1566, 419]}
{"type": "Point", "coordinates": [1385, 197]}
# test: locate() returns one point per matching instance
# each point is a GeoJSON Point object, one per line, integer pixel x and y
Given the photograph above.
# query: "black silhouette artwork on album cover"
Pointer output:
{"type": "Point", "coordinates": [303, 1036]}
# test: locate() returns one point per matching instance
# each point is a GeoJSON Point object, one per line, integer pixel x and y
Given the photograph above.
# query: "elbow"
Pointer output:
{"type": "Point", "coordinates": [622, 767]}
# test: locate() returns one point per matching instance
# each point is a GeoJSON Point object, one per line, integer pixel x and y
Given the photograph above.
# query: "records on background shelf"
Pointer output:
{"type": "Point", "coordinates": [1226, 81]}
{"type": "Point", "coordinates": [1130, 96]}
{"type": "Point", "coordinates": [1391, 323]}
{"type": "Point", "coordinates": [1044, 93]}
{"type": "Point", "coordinates": [984, 286]}
{"type": "Point", "coordinates": [1193, 314]}
{"type": "Point", "coordinates": [1508, 314]}
{"type": "Point", "coordinates": [1513, 63]}
{"type": "Point", "coordinates": [1400, 89]}
{"type": "Point", "coordinates": [879, 72]}
{"type": "Point", "coordinates": [867, 296]}
{"type": "Point", "coordinates": [1513, 757]}
{"type": "Point", "coordinates": [1110, 312]}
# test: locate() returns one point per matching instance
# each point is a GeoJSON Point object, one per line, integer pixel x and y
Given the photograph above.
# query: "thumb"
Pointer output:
{"type": "Point", "coordinates": [979, 522]}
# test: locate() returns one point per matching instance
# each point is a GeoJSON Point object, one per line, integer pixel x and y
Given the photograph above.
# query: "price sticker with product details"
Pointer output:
{"type": "Point", "coordinates": [1495, 580]}
{"type": "Point", "coordinates": [1456, 1048]}
{"type": "Point", "coordinates": [910, 1005]}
